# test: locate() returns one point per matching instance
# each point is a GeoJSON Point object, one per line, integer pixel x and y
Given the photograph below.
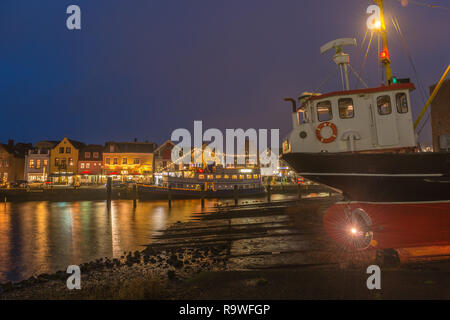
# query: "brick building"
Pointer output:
{"type": "Point", "coordinates": [90, 160]}
{"type": "Point", "coordinates": [440, 113]}
{"type": "Point", "coordinates": [12, 161]}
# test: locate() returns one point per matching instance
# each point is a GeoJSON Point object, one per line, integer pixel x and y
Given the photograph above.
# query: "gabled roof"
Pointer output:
{"type": "Point", "coordinates": [164, 144]}
{"type": "Point", "coordinates": [77, 144]}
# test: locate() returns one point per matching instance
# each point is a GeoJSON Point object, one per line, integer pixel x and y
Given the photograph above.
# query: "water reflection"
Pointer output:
{"type": "Point", "coordinates": [43, 237]}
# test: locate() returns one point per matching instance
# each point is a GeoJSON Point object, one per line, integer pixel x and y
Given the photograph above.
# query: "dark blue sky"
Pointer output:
{"type": "Point", "coordinates": [143, 68]}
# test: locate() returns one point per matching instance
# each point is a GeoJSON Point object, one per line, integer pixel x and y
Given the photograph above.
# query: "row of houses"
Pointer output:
{"type": "Point", "coordinates": [68, 160]}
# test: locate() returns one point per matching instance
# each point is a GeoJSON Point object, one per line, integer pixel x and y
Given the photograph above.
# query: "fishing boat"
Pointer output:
{"type": "Point", "coordinates": [362, 142]}
{"type": "Point", "coordinates": [215, 182]}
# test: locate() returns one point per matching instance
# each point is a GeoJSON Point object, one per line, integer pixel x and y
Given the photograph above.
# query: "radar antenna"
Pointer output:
{"type": "Point", "coordinates": [340, 58]}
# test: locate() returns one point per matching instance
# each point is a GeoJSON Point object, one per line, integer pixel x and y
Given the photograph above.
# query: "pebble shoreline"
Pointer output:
{"type": "Point", "coordinates": [164, 265]}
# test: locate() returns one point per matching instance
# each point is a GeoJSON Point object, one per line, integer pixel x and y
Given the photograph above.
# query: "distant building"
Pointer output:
{"type": "Point", "coordinates": [129, 160]}
{"type": "Point", "coordinates": [163, 157]}
{"type": "Point", "coordinates": [90, 161]}
{"type": "Point", "coordinates": [37, 161]}
{"type": "Point", "coordinates": [12, 161]}
{"type": "Point", "coordinates": [440, 115]}
{"type": "Point", "coordinates": [64, 161]}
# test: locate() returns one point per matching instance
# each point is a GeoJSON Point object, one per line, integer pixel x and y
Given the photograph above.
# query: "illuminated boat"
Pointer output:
{"type": "Point", "coordinates": [363, 143]}
{"type": "Point", "coordinates": [216, 183]}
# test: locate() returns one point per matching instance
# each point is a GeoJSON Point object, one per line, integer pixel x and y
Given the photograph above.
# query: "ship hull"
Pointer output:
{"type": "Point", "coordinates": [391, 225]}
{"type": "Point", "coordinates": [378, 177]}
{"type": "Point", "coordinates": [392, 200]}
{"type": "Point", "coordinates": [151, 192]}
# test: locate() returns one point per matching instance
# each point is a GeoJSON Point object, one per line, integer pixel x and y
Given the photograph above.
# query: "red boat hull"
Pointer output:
{"type": "Point", "coordinates": [392, 225]}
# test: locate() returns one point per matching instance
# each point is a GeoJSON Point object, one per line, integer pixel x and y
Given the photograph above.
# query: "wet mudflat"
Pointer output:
{"type": "Point", "coordinates": [254, 251]}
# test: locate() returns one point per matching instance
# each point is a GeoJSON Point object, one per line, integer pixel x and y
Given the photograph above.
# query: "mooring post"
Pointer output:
{"type": "Point", "coordinates": [236, 195]}
{"type": "Point", "coordinates": [202, 195]}
{"type": "Point", "coordinates": [269, 189]}
{"type": "Point", "coordinates": [108, 189]}
{"type": "Point", "coordinates": [134, 195]}
{"type": "Point", "coordinates": [299, 187]}
{"type": "Point", "coordinates": [169, 196]}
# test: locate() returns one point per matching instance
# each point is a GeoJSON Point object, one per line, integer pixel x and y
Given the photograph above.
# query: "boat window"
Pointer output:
{"type": "Point", "coordinates": [249, 176]}
{"type": "Point", "coordinates": [210, 177]}
{"type": "Point", "coordinates": [384, 105]}
{"type": "Point", "coordinates": [218, 176]}
{"type": "Point", "coordinates": [346, 109]}
{"type": "Point", "coordinates": [402, 102]}
{"type": "Point", "coordinates": [255, 176]}
{"type": "Point", "coordinates": [201, 176]}
{"type": "Point", "coordinates": [241, 176]}
{"type": "Point", "coordinates": [324, 112]}
{"type": "Point", "coordinates": [234, 177]}
{"type": "Point", "coordinates": [226, 176]}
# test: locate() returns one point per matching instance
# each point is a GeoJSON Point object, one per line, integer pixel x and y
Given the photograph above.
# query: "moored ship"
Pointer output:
{"type": "Point", "coordinates": [217, 182]}
{"type": "Point", "coordinates": [363, 143]}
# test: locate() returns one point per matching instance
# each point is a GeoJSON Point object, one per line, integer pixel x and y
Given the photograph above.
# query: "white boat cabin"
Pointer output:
{"type": "Point", "coordinates": [353, 121]}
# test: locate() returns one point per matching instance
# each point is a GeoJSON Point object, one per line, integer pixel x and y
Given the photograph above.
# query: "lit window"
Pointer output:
{"type": "Point", "coordinates": [115, 161]}
{"type": "Point", "coordinates": [107, 160]}
{"type": "Point", "coordinates": [87, 155]}
{"type": "Point", "coordinates": [255, 176]}
{"type": "Point", "coordinates": [82, 165]}
{"type": "Point", "coordinates": [346, 108]}
{"type": "Point", "coordinates": [124, 160]}
{"type": "Point", "coordinates": [210, 177]}
{"type": "Point", "coordinates": [241, 176]}
{"type": "Point", "coordinates": [226, 176]}
{"type": "Point", "coordinates": [249, 176]}
{"type": "Point", "coordinates": [136, 161]}
{"type": "Point", "coordinates": [324, 112]}
{"type": "Point", "coordinates": [56, 162]}
{"type": "Point", "coordinates": [88, 165]}
{"type": "Point", "coordinates": [68, 150]}
{"type": "Point", "coordinates": [45, 162]}
{"type": "Point", "coordinates": [234, 177]}
{"type": "Point", "coordinates": [218, 176]}
{"type": "Point", "coordinates": [38, 163]}
{"type": "Point", "coordinates": [31, 163]}
{"type": "Point", "coordinates": [402, 102]}
{"type": "Point", "coordinates": [70, 162]}
{"type": "Point", "coordinates": [201, 176]}
{"type": "Point", "coordinates": [95, 155]}
{"type": "Point", "coordinates": [384, 105]}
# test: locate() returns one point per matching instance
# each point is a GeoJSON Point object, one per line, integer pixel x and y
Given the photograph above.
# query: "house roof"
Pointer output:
{"type": "Point", "coordinates": [77, 144]}
{"type": "Point", "coordinates": [130, 147]}
{"type": "Point", "coordinates": [91, 148]}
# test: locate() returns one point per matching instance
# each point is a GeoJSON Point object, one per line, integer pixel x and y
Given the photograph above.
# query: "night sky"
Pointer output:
{"type": "Point", "coordinates": [142, 68]}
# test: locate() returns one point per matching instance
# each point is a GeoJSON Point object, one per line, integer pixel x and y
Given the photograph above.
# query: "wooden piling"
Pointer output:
{"type": "Point", "coordinates": [134, 195]}
{"type": "Point", "coordinates": [269, 189]}
{"type": "Point", "coordinates": [108, 191]}
{"type": "Point", "coordinates": [169, 196]}
{"type": "Point", "coordinates": [236, 195]}
{"type": "Point", "coordinates": [202, 195]}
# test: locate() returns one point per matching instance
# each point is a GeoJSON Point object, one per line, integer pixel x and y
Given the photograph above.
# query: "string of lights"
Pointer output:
{"type": "Point", "coordinates": [423, 4]}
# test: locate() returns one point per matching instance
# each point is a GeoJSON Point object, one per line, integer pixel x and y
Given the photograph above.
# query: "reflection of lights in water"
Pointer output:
{"type": "Point", "coordinates": [159, 218]}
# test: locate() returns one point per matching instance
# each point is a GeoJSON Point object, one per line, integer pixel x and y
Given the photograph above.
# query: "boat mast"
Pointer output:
{"type": "Point", "coordinates": [384, 55]}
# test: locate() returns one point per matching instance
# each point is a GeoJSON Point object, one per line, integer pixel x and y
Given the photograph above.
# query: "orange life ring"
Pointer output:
{"type": "Point", "coordinates": [319, 134]}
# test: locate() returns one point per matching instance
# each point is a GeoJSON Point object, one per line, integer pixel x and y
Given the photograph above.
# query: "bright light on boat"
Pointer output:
{"type": "Point", "coordinates": [353, 230]}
